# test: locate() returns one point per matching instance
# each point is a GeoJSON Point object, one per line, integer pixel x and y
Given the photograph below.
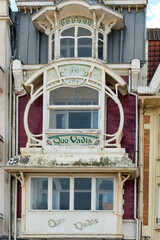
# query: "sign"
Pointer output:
{"type": "Point", "coordinates": [76, 139]}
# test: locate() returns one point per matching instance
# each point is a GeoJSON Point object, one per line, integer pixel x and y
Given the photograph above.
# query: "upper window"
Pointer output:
{"type": "Point", "coordinates": [73, 108]}
{"type": "Point", "coordinates": [76, 42]}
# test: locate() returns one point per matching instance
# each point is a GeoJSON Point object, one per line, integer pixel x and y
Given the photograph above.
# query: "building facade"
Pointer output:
{"type": "Point", "coordinates": [149, 135]}
{"type": "Point", "coordinates": [75, 168]}
{"type": "Point", "coordinates": [5, 83]}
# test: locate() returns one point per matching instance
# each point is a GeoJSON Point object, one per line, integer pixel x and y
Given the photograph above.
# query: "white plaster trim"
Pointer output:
{"type": "Point", "coordinates": [127, 2]}
{"type": "Point", "coordinates": [87, 61]}
{"type": "Point", "coordinates": [154, 86]}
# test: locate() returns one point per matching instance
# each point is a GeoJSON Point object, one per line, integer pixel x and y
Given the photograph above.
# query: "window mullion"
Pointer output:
{"type": "Point", "coordinates": [72, 107]}
{"type": "Point", "coordinates": [71, 194]}
{"type": "Point", "coordinates": [76, 42]}
{"type": "Point", "coordinates": [49, 193]}
{"type": "Point", "coordinates": [105, 47]}
{"type": "Point", "coordinates": [93, 194]}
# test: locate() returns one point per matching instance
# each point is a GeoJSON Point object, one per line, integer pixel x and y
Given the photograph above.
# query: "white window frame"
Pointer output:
{"type": "Point", "coordinates": [94, 37]}
{"type": "Point", "coordinates": [66, 108]}
{"type": "Point", "coordinates": [71, 193]}
{"type": "Point", "coordinates": [75, 37]}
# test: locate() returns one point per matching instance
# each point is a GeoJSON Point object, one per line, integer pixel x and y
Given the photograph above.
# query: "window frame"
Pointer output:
{"type": "Point", "coordinates": [75, 37]}
{"type": "Point", "coordinates": [66, 110]}
{"type": "Point", "coordinates": [71, 193]}
{"type": "Point", "coordinates": [94, 37]}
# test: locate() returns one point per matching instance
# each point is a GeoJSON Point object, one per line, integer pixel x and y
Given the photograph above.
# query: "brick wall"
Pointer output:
{"type": "Point", "coordinates": [128, 142]}
{"type": "Point", "coordinates": [146, 171]}
{"type": "Point", "coordinates": [153, 58]}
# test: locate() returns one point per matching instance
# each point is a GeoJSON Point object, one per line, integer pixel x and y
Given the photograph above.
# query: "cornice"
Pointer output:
{"type": "Point", "coordinates": [6, 18]}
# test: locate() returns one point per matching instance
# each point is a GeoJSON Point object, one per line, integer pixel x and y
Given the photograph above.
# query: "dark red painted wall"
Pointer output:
{"type": "Point", "coordinates": [128, 140]}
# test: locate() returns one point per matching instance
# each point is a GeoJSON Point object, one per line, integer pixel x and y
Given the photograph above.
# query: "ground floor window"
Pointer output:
{"type": "Point", "coordinates": [53, 193]}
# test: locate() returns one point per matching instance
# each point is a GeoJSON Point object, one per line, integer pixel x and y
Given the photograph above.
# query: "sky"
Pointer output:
{"type": "Point", "coordinates": [153, 13]}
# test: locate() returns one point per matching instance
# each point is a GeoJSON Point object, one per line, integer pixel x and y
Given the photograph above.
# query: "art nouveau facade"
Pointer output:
{"type": "Point", "coordinates": [76, 119]}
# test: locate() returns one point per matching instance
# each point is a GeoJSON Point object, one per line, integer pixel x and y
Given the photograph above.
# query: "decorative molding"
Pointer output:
{"type": "Point", "coordinates": [76, 20]}
{"type": "Point", "coordinates": [51, 160]}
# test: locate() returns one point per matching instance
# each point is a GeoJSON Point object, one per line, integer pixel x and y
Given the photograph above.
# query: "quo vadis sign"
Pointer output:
{"type": "Point", "coordinates": [70, 140]}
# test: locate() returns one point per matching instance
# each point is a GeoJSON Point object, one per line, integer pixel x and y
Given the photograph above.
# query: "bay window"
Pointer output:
{"type": "Point", "coordinates": [59, 193]}
{"type": "Point", "coordinates": [73, 108]}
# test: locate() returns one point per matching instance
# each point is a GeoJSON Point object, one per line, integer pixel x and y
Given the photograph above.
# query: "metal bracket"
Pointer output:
{"type": "Point", "coordinates": [125, 178]}
{"type": "Point", "coordinates": [20, 177]}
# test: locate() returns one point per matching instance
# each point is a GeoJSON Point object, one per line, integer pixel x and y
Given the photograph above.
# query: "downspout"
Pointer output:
{"type": "Point", "coordinates": [141, 146]}
{"type": "Point", "coordinates": [10, 153]}
{"type": "Point", "coordinates": [136, 157]}
{"type": "Point", "coordinates": [16, 151]}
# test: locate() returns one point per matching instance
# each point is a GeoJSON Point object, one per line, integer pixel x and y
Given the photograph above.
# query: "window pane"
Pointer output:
{"type": "Point", "coordinates": [83, 32]}
{"type": "Point", "coordinates": [60, 193]}
{"type": "Point", "coordinates": [100, 36]}
{"type": "Point", "coordinates": [68, 32]}
{"type": "Point", "coordinates": [104, 193]}
{"type": "Point", "coordinates": [39, 193]}
{"type": "Point", "coordinates": [85, 47]}
{"type": "Point", "coordinates": [67, 47]}
{"type": "Point", "coordinates": [82, 194]}
{"type": "Point", "coordinates": [95, 120]}
{"type": "Point", "coordinates": [53, 50]}
{"type": "Point", "coordinates": [78, 96]}
{"type": "Point", "coordinates": [100, 49]}
{"type": "Point", "coordinates": [73, 119]}
{"type": "Point", "coordinates": [80, 120]}
{"type": "Point", "coordinates": [61, 121]}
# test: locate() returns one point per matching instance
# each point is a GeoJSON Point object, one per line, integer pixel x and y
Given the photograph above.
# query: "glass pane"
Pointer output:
{"type": "Point", "coordinates": [84, 32]}
{"type": "Point", "coordinates": [77, 96]}
{"type": "Point", "coordinates": [82, 194]}
{"type": "Point", "coordinates": [85, 47]}
{"type": "Point", "coordinates": [53, 50]}
{"type": "Point", "coordinates": [68, 32]}
{"type": "Point", "coordinates": [39, 193]}
{"type": "Point", "coordinates": [73, 119]}
{"type": "Point", "coordinates": [100, 50]}
{"type": "Point", "coordinates": [100, 36]}
{"type": "Point", "coordinates": [79, 120]}
{"type": "Point", "coordinates": [104, 193]}
{"type": "Point", "coordinates": [61, 121]}
{"type": "Point", "coordinates": [95, 120]}
{"type": "Point", "coordinates": [60, 193]}
{"type": "Point", "coordinates": [67, 47]}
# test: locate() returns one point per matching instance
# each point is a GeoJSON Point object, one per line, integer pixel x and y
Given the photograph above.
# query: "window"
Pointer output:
{"type": "Point", "coordinates": [53, 44]}
{"type": "Point", "coordinates": [104, 194]}
{"type": "Point", "coordinates": [73, 108]}
{"type": "Point", "coordinates": [100, 45]}
{"type": "Point", "coordinates": [82, 194]}
{"type": "Point", "coordinates": [72, 194]}
{"type": "Point", "coordinates": [60, 193]}
{"type": "Point", "coordinates": [75, 42]}
{"type": "Point", "coordinates": [39, 193]}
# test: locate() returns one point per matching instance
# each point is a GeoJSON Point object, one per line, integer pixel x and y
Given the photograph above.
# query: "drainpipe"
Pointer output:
{"type": "Point", "coordinates": [136, 158]}
{"type": "Point", "coordinates": [10, 153]}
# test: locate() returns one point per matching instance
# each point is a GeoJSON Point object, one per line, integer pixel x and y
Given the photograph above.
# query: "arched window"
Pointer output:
{"type": "Point", "coordinates": [76, 42]}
